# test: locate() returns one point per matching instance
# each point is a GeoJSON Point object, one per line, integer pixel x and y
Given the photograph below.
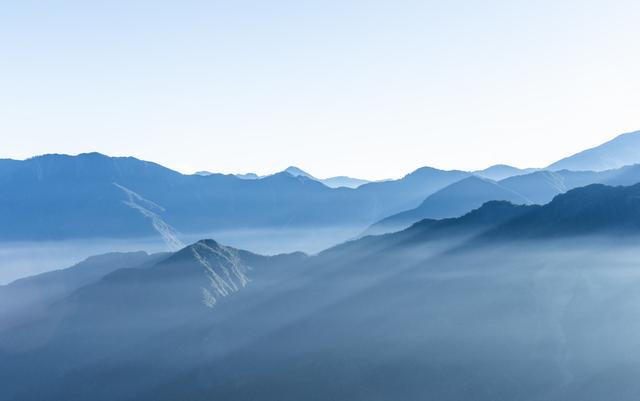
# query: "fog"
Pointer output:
{"type": "Point", "coordinates": [372, 320]}
{"type": "Point", "coordinates": [23, 259]}
{"type": "Point", "coordinates": [285, 240]}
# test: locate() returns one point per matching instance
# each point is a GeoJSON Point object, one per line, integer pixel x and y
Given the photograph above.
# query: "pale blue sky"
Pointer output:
{"type": "Point", "coordinates": [366, 88]}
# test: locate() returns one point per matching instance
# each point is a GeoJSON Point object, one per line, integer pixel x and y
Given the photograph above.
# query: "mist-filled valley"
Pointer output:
{"type": "Point", "coordinates": [532, 320]}
{"type": "Point", "coordinates": [125, 280]}
{"type": "Point", "coordinates": [21, 259]}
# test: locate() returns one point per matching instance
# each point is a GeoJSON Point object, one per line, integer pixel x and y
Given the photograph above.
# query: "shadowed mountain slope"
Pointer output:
{"type": "Point", "coordinates": [399, 315]}
{"type": "Point", "coordinates": [539, 187]}
{"type": "Point", "coordinates": [452, 201]}
{"type": "Point", "coordinates": [28, 298]}
{"type": "Point", "coordinates": [592, 210]}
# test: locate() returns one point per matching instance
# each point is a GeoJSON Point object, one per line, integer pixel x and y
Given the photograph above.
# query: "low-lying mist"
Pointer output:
{"type": "Point", "coordinates": [534, 320]}
{"type": "Point", "coordinates": [23, 259]}
{"type": "Point", "coordinates": [284, 240]}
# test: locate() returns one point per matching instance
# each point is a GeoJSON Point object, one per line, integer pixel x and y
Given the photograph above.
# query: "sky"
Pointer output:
{"type": "Point", "coordinates": [371, 89]}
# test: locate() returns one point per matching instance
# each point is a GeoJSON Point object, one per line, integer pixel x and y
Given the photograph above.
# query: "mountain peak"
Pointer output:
{"type": "Point", "coordinates": [421, 171]}
{"type": "Point", "coordinates": [83, 156]}
{"type": "Point", "coordinates": [297, 172]}
{"type": "Point", "coordinates": [92, 155]}
{"type": "Point", "coordinates": [221, 265]}
{"type": "Point", "coordinates": [499, 172]}
{"type": "Point", "coordinates": [208, 242]}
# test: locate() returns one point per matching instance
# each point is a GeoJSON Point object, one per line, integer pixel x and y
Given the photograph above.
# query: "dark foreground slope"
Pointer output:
{"type": "Point", "coordinates": [400, 316]}
{"type": "Point", "coordinates": [594, 209]}
{"type": "Point", "coordinates": [137, 327]}
{"type": "Point", "coordinates": [28, 298]}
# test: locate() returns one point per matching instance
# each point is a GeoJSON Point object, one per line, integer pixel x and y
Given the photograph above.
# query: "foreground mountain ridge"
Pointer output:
{"type": "Point", "coordinates": [285, 325]}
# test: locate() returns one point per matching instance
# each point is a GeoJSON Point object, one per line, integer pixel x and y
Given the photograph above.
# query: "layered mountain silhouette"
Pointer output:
{"type": "Point", "coordinates": [510, 314]}
{"type": "Point", "coordinates": [538, 187]}
{"type": "Point", "coordinates": [590, 210]}
{"type": "Point", "coordinates": [332, 182]}
{"type": "Point", "coordinates": [623, 150]}
{"type": "Point", "coordinates": [95, 196]}
{"type": "Point", "coordinates": [54, 197]}
{"type": "Point", "coordinates": [595, 209]}
{"type": "Point", "coordinates": [455, 200]}
{"type": "Point", "coordinates": [248, 176]}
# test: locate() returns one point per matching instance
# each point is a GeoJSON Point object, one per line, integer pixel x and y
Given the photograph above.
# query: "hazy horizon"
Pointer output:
{"type": "Point", "coordinates": [309, 171]}
{"type": "Point", "coordinates": [371, 90]}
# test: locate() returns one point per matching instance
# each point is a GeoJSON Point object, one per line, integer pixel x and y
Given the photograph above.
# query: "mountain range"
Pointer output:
{"type": "Point", "coordinates": [55, 197]}
{"type": "Point", "coordinates": [332, 182]}
{"type": "Point", "coordinates": [501, 171]}
{"type": "Point", "coordinates": [481, 303]}
{"type": "Point", "coordinates": [534, 188]}
{"type": "Point", "coordinates": [59, 197]}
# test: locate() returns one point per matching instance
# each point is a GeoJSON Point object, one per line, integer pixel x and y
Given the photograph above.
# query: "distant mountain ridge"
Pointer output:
{"type": "Point", "coordinates": [621, 151]}
{"type": "Point", "coordinates": [455, 200]}
{"type": "Point", "coordinates": [538, 187]}
{"type": "Point", "coordinates": [595, 209]}
{"type": "Point", "coordinates": [332, 182]}
{"type": "Point", "coordinates": [95, 196]}
{"type": "Point", "coordinates": [501, 171]}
